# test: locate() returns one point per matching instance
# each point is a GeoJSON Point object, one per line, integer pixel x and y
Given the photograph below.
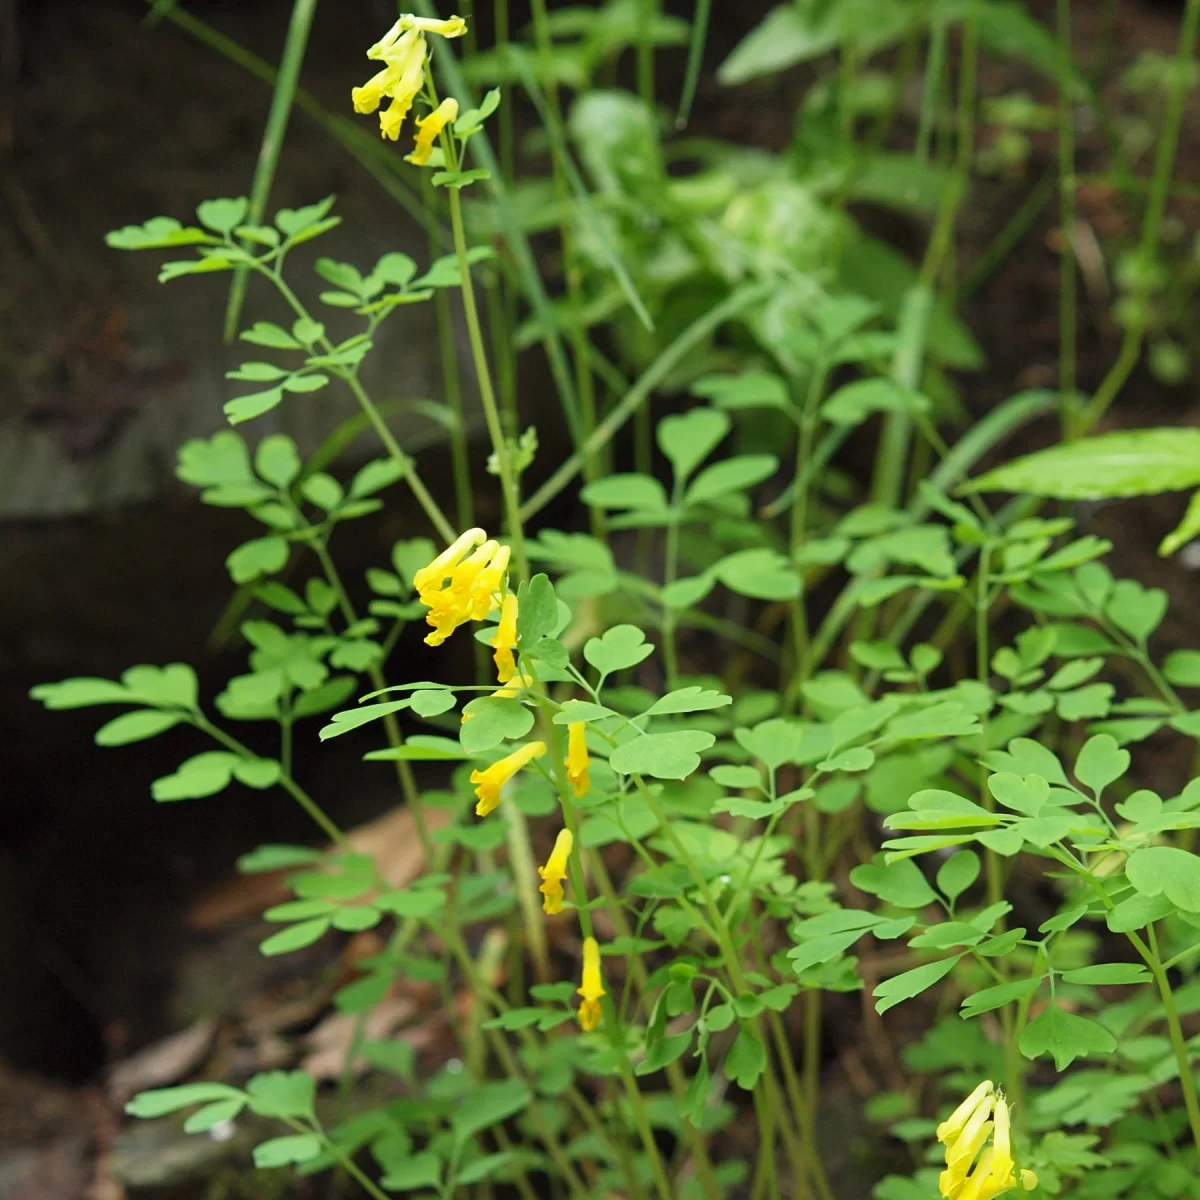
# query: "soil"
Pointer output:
{"type": "Point", "coordinates": [115, 122]}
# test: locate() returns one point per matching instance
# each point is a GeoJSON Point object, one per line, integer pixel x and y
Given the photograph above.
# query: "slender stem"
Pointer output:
{"type": "Point", "coordinates": [1066, 218]}
{"type": "Point", "coordinates": [1164, 166]}
{"type": "Point", "coordinates": [487, 395]}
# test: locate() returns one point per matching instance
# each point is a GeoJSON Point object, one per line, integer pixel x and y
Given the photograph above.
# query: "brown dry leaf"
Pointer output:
{"type": "Point", "coordinates": [161, 1063]}
{"type": "Point", "coordinates": [330, 1042]}
{"type": "Point", "coordinates": [391, 840]}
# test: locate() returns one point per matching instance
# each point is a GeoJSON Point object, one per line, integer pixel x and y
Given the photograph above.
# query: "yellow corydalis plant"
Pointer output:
{"type": "Point", "coordinates": [404, 54]}
{"type": "Point", "coordinates": [983, 1114]}
{"type": "Point", "coordinates": [578, 759]}
{"type": "Point", "coordinates": [554, 873]}
{"type": "Point", "coordinates": [490, 780]}
{"type": "Point", "coordinates": [591, 987]}
{"type": "Point", "coordinates": [463, 583]}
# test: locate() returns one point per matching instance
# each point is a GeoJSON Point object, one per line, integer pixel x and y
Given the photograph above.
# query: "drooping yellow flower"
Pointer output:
{"type": "Point", "coordinates": [505, 640]}
{"type": "Point", "coordinates": [965, 1133]}
{"type": "Point", "coordinates": [490, 780]}
{"type": "Point", "coordinates": [555, 872]}
{"type": "Point", "coordinates": [451, 27]}
{"type": "Point", "coordinates": [592, 986]}
{"type": "Point", "coordinates": [428, 129]}
{"type": "Point", "coordinates": [578, 759]}
{"type": "Point", "coordinates": [463, 583]}
{"type": "Point", "coordinates": [401, 79]}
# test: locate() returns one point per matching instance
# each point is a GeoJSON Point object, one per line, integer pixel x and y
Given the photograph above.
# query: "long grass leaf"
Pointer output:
{"type": "Point", "coordinates": [560, 149]}
{"type": "Point", "coordinates": [691, 79]}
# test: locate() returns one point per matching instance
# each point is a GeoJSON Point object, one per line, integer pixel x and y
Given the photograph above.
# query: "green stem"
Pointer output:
{"type": "Point", "coordinates": [282, 100]}
{"type": "Point", "coordinates": [1066, 215]}
{"type": "Point", "coordinates": [487, 395]}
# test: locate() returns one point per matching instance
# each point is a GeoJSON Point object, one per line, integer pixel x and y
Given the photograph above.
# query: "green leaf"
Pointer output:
{"type": "Point", "coordinates": [1139, 462]}
{"type": "Point", "coordinates": [537, 610]}
{"type": "Point", "coordinates": [1108, 974]}
{"type": "Point", "coordinates": [746, 1059]}
{"type": "Point", "coordinates": [276, 858]}
{"type": "Point", "coordinates": [947, 719]}
{"type": "Point", "coordinates": [734, 474]}
{"type": "Point", "coordinates": [283, 1151]}
{"type": "Point", "coordinates": [1168, 871]}
{"type": "Point", "coordinates": [1026, 795]}
{"type": "Point", "coordinates": [258, 557]}
{"type": "Point", "coordinates": [1182, 668]}
{"type": "Point", "coordinates": [221, 459]}
{"type": "Point", "coordinates": [161, 1101]}
{"type": "Point", "coordinates": [136, 727]}
{"type": "Point", "coordinates": [787, 36]}
{"type": "Point", "coordinates": [222, 216]}
{"type": "Point", "coordinates": [265, 333]}
{"type": "Point", "coordinates": [687, 440]}
{"type": "Point", "coordinates": [352, 718]}
{"type": "Point", "coordinates": [246, 408]}
{"type": "Point", "coordinates": [1101, 762]}
{"type": "Point", "coordinates": [282, 1094]}
{"type": "Point", "coordinates": [422, 1170]}
{"type": "Point", "coordinates": [958, 873]}
{"type": "Point", "coordinates": [737, 777]}
{"type": "Point", "coordinates": [621, 647]}
{"type": "Point", "coordinates": [258, 773]}
{"type": "Point", "coordinates": [1186, 531]}
{"type": "Point", "coordinates": [626, 492]}
{"type": "Point", "coordinates": [688, 699]}
{"type": "Point", "coordinates": [662, 755]}
{"type": "Point", "coordinates": [996, 997]}
{"type": "Point", "coordinates": [493, 719]}
{"type": "Point", "coordinates": [1066, 1036]}
{"type": "Point", "coordinates": [292, 221]}
{"type": "Point", "coordinates": [277, 460]}
{"type": "Point", "coordinates": [900, 883]}
{"type": "Point", "coordinates": [81, 692]}
{"type": "Point", "coordinates": [911, 983]}
{"type": "Point", "coordinates": [202, 775]}
{"type": "Point", "coordinates": [854, 402]}
{"type": "Point", "coordinates": [1135, 609]}
{"type": "Point", "coordinates": [154, 234]}
{"type": "Point", "coordinates": [487, 1105]}
{"type": "Point", "coordinates": [748, 389]}
{"type": "Point", "coordinates": [217, 1113]}
{"type": "Point", "coordinates": [295, 937]}
{"type": "Point", "coordinates": [760, 573]}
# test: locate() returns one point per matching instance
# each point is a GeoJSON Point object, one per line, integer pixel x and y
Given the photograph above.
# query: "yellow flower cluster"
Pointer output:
{"type": "Point", "coordinates": [464, 583]}
{"type": "Point", "coordinates": [983, 1114]}
{"type": "Point", "coordinates": [403, 52]}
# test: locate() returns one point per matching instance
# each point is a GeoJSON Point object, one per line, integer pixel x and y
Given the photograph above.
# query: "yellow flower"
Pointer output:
{"type": "Point", "coordinates": [577, 758]}
{"type": "Point", "coordinates": [505, 639]}
{"type": "Point", "coordinates": [965, 1133]}
{"type": "Point", "coordinates": [555, 871]}
{"type": "Point", "coordinates": [492, 779]}
{"type": "Point", "coordinates": [428, 129]}
{"type": "Point", "coordinates": [462, 583]}
{"type": "Point", "coordinates": [452, 27]}
{"type": "Point", "coordinates": [403, 53]}
{"type": "Point", "coordinates": [592, 986]}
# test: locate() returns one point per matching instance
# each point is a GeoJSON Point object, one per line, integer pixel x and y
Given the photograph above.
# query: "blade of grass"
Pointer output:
{"type": "Point", "coordinates": [518, 244]}
{"type": "Point", "coordinates": [736, 302]}
{"type": "Point", "coordinates": [559, 147]}
{"type": "Point", "coordinates": [286, 79]}
{"type": "Point", "coordinates": [696, 40]}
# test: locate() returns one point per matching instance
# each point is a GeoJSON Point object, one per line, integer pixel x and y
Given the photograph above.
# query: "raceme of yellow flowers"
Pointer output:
{"type": "Point", "coordinates": [983, 1114]}
{"type": "Point", "coordinates": [404, 54]}
{"type": "Point", "coordinates": [468, 582]}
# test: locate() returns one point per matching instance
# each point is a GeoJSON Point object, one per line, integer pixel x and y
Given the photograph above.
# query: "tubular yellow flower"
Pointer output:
{"type": "Point", "coordinates": [578, 759]}
{"type": "Point", "coordinates": [489, 583]}
{"type": "Point", "coordinates": [403, 53]}
{"type": "Point", "coordinates": [554, 872]}
{"type": "Point", "coordinates": [965, 1134]}
{"type": "Point", "coordinates": [490, 780]}
{"type": "Point", "coordinates": [592, 986]}
{"type": "Point", "coordinates": [428, 129]}
{"type": "Point", "coordinates": [431, 577]}
{"type": "Point", "coordinates": [505, 640]}
{"type": "Point", "coordinates": [447, 585]}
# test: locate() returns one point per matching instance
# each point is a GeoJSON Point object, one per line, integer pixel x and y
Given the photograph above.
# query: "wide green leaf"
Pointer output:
{"type": "Point", "coordinates": [662, 755]}
{"type": "Point", "coordinates": [1066, 1036]}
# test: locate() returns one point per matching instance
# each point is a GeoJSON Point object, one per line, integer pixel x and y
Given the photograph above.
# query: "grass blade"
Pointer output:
{"type": "Point", "coordinates": [691, 78]}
